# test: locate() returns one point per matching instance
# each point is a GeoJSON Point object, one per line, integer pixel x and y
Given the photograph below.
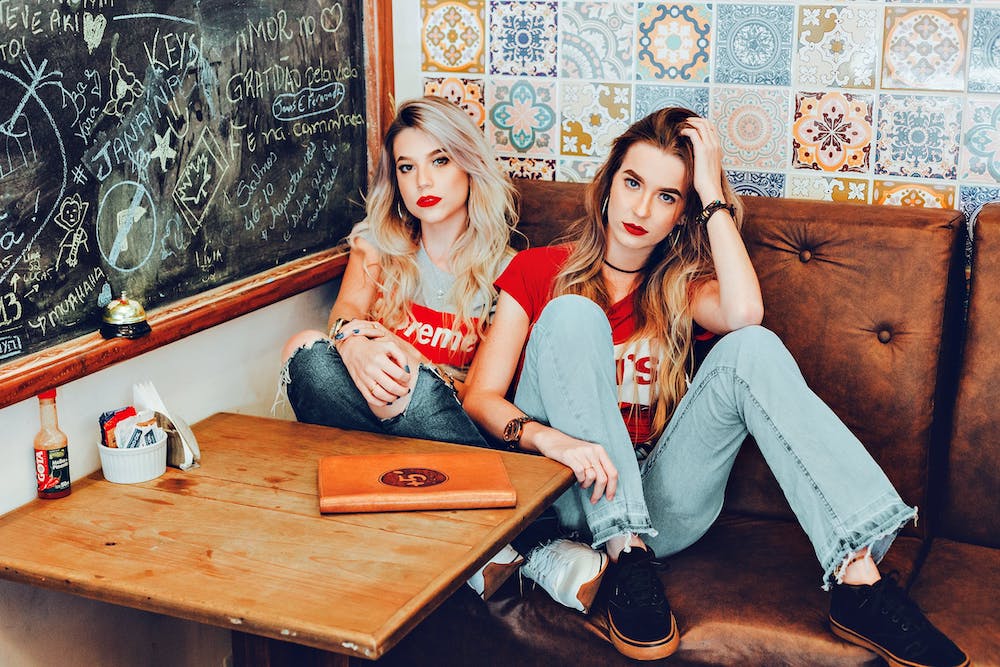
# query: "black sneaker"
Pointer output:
{"type": "Point", "coordinates": [884, 619]}
{"type": "Point", "coordinates": [639, 618]}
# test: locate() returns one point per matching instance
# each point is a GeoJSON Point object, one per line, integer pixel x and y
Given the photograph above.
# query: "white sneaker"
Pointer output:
{"type": "Point", "coordinates": [497, 570]}
{"type": "Point", "coordinates": [568, 571]}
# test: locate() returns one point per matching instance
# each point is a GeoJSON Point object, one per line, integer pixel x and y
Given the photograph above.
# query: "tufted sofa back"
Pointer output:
{"type": "Point", "coordinates": [867, 298]}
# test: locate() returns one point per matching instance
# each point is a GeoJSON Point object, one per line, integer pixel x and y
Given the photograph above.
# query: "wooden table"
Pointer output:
{"type": "Point", "coordinates": [239, 542]}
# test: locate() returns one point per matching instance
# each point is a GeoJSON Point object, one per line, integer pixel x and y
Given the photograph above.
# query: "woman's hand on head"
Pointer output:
{"type": "Point", "coordinates": [707, 158]}
{"type": "Point", "coordinates": [588, 461]}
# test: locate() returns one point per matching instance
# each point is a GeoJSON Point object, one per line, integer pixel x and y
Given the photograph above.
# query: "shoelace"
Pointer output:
{"type": "Point", "coordinates": [889, 599]}
{"type": "Point", "coordinates": [543, 558]}
{"type": "Point", "coordinates": [639, 586]}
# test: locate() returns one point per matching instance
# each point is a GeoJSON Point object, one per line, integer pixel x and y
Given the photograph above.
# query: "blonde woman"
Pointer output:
{"type": "Point", "coordinates": [605, 325]}
{"type": "Point", "coordinates": [418, 290]}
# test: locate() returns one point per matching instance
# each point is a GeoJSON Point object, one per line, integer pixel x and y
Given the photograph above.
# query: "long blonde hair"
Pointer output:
{"type": "Point", "coordinates": [677, 265]}
{"type": "Point", "coordinates": [478, 255]}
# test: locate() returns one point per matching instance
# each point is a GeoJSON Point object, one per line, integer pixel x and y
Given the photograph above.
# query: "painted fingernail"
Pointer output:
{"type": "Point", "coordinates": [407, 368]}
{"type": "Point", "coordinates": [339, 336]}
{"type": "Point", "coordinates": [388, 404]}
{"type": "Point", "coordinates": [357, 331]}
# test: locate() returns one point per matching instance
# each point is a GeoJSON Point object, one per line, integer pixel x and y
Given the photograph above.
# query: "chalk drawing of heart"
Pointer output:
{"type": "Point", "coordinates": [93, 30]}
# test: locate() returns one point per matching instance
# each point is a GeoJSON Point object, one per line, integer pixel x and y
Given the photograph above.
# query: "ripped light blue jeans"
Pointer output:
{"type": "Point", "coordinates": [321, 391]}
{"type": "Point", "coordinates": [748, 383]}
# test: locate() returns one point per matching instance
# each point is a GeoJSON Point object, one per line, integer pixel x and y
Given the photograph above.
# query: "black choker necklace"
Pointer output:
{"type": "Point", "coordinates": [622, 270]}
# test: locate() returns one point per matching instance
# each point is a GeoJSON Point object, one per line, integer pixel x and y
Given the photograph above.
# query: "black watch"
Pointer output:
{"type": "Point", "coordinates": [512, 431]}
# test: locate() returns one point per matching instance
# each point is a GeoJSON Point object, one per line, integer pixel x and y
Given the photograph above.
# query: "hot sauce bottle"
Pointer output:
{"type": "Point", "coordinates": [51, 453]}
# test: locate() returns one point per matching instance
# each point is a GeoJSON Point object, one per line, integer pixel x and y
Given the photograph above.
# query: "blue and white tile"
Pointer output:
{"type": "Point", "coordinates": [595, 40]}
{"type": "Point", "coordinates": [757, 184]}
{"type": "Point", "coordinates": [984, 52]}
{"type": "Point", "coordinates": [650, 97]}
{"type": "Point", "coordinates": [523, 38]}
{"type": "Point", "coordinates": [918, 137]}
{"type": "Point", "coordinates": [754, 44]}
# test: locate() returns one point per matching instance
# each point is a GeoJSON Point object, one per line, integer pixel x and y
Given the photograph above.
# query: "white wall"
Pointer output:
{"type": "Point", "coordinates": [406, 49]}
{"type": "Point", "coordinates": [232, 367]}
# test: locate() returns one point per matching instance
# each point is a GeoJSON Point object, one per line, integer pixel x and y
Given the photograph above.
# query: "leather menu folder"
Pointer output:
{"type": "Point", "coordinates": [407, 481]}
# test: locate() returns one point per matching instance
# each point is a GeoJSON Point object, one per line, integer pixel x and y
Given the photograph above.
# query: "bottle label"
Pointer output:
{"type": "Point", "coordinates": [52, 471]}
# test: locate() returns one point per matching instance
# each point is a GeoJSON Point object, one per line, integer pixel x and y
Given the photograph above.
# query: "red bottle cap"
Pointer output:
{"type": "Point", "coordinates": [51, 393]}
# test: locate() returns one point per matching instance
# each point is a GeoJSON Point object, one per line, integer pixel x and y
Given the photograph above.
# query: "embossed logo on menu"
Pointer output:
{"type": "Point", "coordinates": [413, 477]}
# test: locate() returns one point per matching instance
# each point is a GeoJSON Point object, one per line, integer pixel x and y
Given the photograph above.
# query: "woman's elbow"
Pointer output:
{"type": "Point", "coordinates": [749, 314]}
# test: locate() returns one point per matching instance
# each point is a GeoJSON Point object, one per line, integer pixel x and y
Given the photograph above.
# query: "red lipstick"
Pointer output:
{"type": "Point", "coordinates": [634, 230]}
{"type": "Point", "coordinates": [427, 200]}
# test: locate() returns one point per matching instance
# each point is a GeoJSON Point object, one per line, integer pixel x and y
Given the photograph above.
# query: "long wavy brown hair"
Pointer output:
{"type": "Point", "coordinates": [677, 265]}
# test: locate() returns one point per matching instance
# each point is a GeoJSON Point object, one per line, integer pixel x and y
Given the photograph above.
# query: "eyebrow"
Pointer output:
{"type": "Point", "coordinates": [432, 154]}
{"type": "Point", "coordinates": [672, 191]}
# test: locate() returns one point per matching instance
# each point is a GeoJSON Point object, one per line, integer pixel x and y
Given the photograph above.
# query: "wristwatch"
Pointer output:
{"type": "Point", "coordinates": [512, 431]}
{"type": "Point", "coordinates": [711, 208]}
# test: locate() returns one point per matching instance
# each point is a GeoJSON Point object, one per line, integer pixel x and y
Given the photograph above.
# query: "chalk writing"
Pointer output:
{"type": "Point", "coordinates": [164, 149]}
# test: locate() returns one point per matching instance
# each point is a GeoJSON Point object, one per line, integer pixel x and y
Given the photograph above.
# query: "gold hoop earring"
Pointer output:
{"type": "Point", "coordinates": [604, 207]}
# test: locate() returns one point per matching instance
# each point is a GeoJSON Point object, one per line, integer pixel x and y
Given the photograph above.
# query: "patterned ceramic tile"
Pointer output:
{"type": "Point", "coordinates": [827, 188]}
{"type": "Point", "coordinates": [673, 42]}
{"type": "Point", "coordinates": [649, 98]}
{"type": "Point", "coordinates": [981, 145]}
{"type": "Point", "coordinates": [838, 46]}
{"type": "Point", "coordinates": [925, 49]}
{"type": "Point", "coordinates": [754, 44]}
{"type": "Point", "coordinates": [918, 136]}
{"type": "Point", "coordinates": [756, 184]}
{"type": "Point", "coordinates": [452, 35]}
{"type": "Point", "coordinates": [522, 115]}
{"type": "Point", "coordinates": [921, 195]}
{"type": "Point", "coordinates": [523, 38]}
{"type": "Point", "coordinates": [595, 40]}
{"type": "Point", "coordinates": [466, 93]}
{"type": "Point", "coordinates": [973, 198]}
{"type": "Point", "coordinates": [537, 169]}
{"type": "Point", "coordinates": [832, 131]}
{"type": "Point", "coordinates": [984, 55]}
{"type": "Point", "coordinates": [592, 115]}
{"type": "Point", "coordinates": [577, 171]}
{"type": "Point", "coordinates": [752, 124]}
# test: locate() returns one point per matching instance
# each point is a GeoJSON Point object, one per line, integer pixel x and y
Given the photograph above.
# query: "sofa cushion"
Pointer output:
{"type": "Point", "coordinates": [972, 483]}
{"type": "Point", "coordinates": [860, 295]}
{"type": "Point", "coordinates": [956, 587]}
{"type": "Point", "coordinates": [748, 593]}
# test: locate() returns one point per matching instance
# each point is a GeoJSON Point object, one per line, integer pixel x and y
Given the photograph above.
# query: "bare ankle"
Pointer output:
{"type": "Point", "coordinates": [619, 543]}
{"type": "Point", "coordinates": [861, 570]}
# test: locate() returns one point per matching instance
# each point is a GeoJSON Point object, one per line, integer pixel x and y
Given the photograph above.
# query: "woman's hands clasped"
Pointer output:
{"type": "Point", "coordinates": [379, 362]}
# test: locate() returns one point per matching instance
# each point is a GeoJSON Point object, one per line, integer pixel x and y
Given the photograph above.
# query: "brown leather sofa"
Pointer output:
{"type": "Point", "coordinates": [871, 301]}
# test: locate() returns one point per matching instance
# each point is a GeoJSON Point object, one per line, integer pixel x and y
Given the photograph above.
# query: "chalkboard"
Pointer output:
{"type": "Point", "coordinates": [166, 148]}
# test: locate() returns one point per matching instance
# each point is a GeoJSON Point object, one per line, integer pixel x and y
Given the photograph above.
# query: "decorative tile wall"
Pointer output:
{"type": "Point", "coordinates": [890, 102]}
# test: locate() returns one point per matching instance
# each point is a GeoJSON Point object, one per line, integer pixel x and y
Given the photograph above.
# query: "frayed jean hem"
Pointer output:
{"type": "Point", "coordinates": [875, 533]}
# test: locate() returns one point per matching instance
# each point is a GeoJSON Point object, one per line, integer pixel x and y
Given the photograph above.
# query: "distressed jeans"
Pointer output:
{"type": "Point", "coordinates": [748, 384]}
{"type": "Point", "coordinates": [321, 391]}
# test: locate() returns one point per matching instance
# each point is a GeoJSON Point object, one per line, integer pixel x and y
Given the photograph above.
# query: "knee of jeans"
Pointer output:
{"type": "Point", "coordinates": [574, 314]}
{"type": "Point", "coordinates": [755, 338]}
{"type": "Point", "coordinates": [311, 358]}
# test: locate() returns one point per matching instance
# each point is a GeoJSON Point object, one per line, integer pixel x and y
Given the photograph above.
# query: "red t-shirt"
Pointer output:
{"type": "Point", "coordinates": [529, 279]}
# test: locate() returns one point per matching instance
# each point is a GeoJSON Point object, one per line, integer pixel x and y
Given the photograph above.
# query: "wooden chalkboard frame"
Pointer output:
{"type": "Point", "coordinates": [59, 364]}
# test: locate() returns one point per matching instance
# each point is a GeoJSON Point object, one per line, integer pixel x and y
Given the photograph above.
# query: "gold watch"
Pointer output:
{"type": "Point", "coordinates": [512, 431]}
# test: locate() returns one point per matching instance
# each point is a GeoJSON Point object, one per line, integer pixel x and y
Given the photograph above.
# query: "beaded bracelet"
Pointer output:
{"type": "Point", "coordinates": [712, 207]}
